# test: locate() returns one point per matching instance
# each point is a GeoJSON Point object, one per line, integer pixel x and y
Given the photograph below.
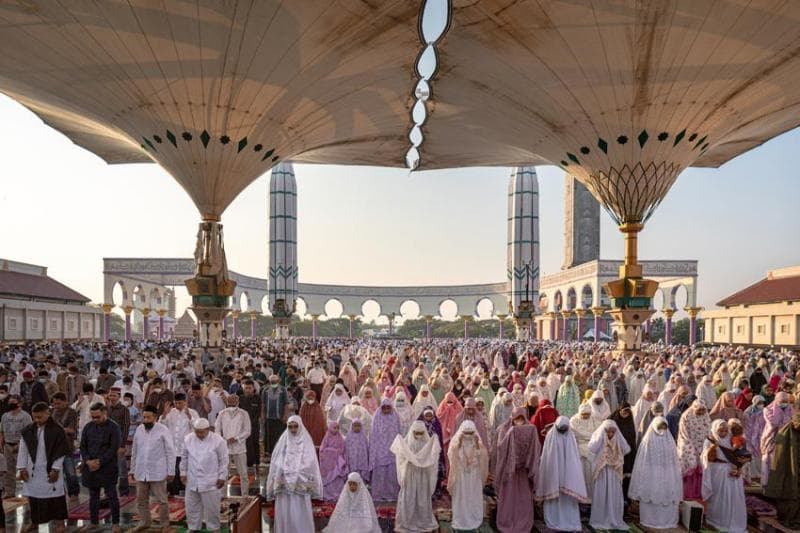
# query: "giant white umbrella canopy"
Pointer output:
{"type": "Point", "coordinates": [214, 91]}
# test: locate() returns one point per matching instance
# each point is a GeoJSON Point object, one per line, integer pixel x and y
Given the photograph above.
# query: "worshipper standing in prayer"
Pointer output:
{"type": "Point", "coordinates": [776, 415]}
{"type": "Point", "coordinates": [609, 448]}
{"type": "Point", "coordinates": [583, 426]}
{"type": "Point", "coordinates": [723, 486]}
{"type": "Point", "coordinates": [784, 477]}
{"type": "Point", "coordinates": [472, 414]}
{"type": "Point", "coordinates": [275, 402]}
{"type": "Point", "coordinates": [332, 463]}
{"type": "Point", "coordinates": [568, 398]}
{"type": "Point", "coordinates": [546, 415]}
{"type": "Point", "coordinates": [313, 417]}
{"type": "Point", "coordinates": [83, 406]}
{"type": "Point", "coordinates": [656, 409]}
{"type": "Point", "coordinates": [153, 465]}
{"type": "Point", "coordinates": [515, 471]}
{"type": "Point", "coordinates": [251, 403]}
{"type": "Point", "coordinates": [383, 476]}
{"type": "Point", "coordinates": [447, 413]}
{"type": "Point", "coordinates": [656, 482]}
{"type": "Point", "coordinates": [624, 419]}
{"type": "Point", "coordinates": [293, 479]}
{"type": "Point", "coordinates": [559, 483]}
{"type": "Point", "coordinates": [67, 418]}
{"type": "Point", "coordinates": [692, 432]}
{"type": "Point", "coordinates": [753, 428]}
{"type": "Point", "coordinates": [356, 450]}
{"type": "Point", "coordinates": [404, 410]}
{"type": "Point", "coordinates": [354, 512]}
{"type": "Point", "coordinates": [204, 470]}
{"type": "Point", "coordinates": [179, 421]}
{"type": "Point", "coordinates": [725, 408]}
{"type": "Point", "coordinates": [42, 448]}
{"type": "Point", "coordinates": [469, 467]}
{"type": "Point", "coordinates": [352, 411]}
{"type": "Point", "coordinates": [100, 444]}
{"type": "Point", "coordinates": [11, 424]}
{"type": "Point", "coordinates": [428, 417]}
{"type": "Point", "coordinates": [599, 405]}
{"type": "Point", "coordinates": [335, 403]}
{"type": "Point", "coordinates": [417, 456]}
{"type": "Point", "coordinates": [120, 414]}
{"type": "Point", "coordinates": [233, 425]}
{"type": "Point", "coordinates": [198, 402]}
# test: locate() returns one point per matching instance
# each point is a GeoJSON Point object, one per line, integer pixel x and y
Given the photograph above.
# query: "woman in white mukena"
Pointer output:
{"type": "Point", "coordinates": [656, 481]}
{"type": "Point", "coordinates": [723, 487]}
{"type": "Point", "coordinates": [294, 479]}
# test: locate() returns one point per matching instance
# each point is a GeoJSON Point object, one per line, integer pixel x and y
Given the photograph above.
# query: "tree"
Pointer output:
{"type": "Point", "coordinates": [657, 329]}
{"type": "Point", "coordinates": [117, 329]}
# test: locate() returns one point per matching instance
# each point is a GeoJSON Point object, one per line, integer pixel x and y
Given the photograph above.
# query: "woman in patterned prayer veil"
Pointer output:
{"type": "Point", "coordinates": [354, 512]}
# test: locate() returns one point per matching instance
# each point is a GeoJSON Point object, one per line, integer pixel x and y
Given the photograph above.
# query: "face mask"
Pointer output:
{"type": "Point", "coordinates": [598, 402]}
{"type": "Point", "coordinates": [157, 390]}
{"type": "Point", "coordinates": [149, 425]}
{"type": "Point", "coordinates": [783, 405]}
{"type": "Point", "coordinates": [309, 401]}
{"type": "Point", "coordinates": [562, 429]}
{"type": "Point", "coordinates": [126, 402]}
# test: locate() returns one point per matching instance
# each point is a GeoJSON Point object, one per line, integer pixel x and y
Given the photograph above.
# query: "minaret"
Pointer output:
{"type": "Point", "coordinates": [523, 247]}
{"type": "Point", "coordinates": [581, 224]}
{"type": "Point", "coordinates": [282, 246]}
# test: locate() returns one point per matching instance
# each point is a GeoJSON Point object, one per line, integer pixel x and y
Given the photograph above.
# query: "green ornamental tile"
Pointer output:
{"type": "Point", "coordinates": [679, 137]}
{"type": "Point", "coordinates": [268, 154]}
{"type": "Point", "coordinates": [573, 158]}
{"type": "Point", "coordinates": [603, 145]}
{"type": "Point", "coordinates": [642, 138]}
{"type": "Point", "coordinates": [204, 138]}
{"type": "Point", "coordinates": [242, 144]}
{"type": "Point", "coordinates": [564, 164]}
{"type": "Point", "coordinates": [700, 142]}
{"type": "Point", "coordinates": [171, 138]}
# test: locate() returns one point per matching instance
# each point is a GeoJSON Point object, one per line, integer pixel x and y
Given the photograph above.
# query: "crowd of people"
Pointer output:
{"type": "Point", "coordinates": [420, 424]}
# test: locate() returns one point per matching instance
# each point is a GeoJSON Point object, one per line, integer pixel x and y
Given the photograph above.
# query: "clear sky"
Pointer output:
{"type": "Point", "coordinates": [62, 207]}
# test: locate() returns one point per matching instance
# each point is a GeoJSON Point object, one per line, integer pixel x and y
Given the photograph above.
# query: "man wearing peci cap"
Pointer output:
{"type": "Point", "coordinates": [152, 460]}
{"type": "Point", "coordinates": [31, 392]}
{"type": "Point", "coordinates": [204, 469]}
{"type": "Point", "coordinates": [120, 414]}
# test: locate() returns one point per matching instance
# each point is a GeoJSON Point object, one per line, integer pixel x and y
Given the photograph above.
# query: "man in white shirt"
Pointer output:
{"type": "Point", "coordinates": [204, 468]}
{"type": "Point", "coordinates": [83, 406]}
{"type": "Point", "coordinates": [179, 421]}
{"type": "Point", "coordinates": [316, 378]}
{"type": "Point", "coordinates": [233, 424]}
{"type": "Point", "coordinates": [152, 458]}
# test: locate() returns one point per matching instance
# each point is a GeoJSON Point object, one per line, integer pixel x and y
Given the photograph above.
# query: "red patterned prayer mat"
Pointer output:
{"type": "Point", "coordinates": [81, 512]}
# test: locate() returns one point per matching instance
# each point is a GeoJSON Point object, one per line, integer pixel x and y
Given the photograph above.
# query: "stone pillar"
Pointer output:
{"type": "Point", "coordinates": [668, 325]}
{"type": "Point", "coordinates": [501, 323]}
{"type": "Point", "coordinates": [253, 317]}
{"type": "Point", "coordinates": [127, 310]}
{"type": "Point", "coordinates": [579, 327]}
{"type": "Point", "coordinates": [352, 319]}
{"type": "Point", "coordinates": [693, 312]}
{"type": "Point", "coordinates": [314, 319]}
{"type": "Point", "coordinates": [106, 322]}
{"type": "Point", "coordinates": [466, 319]}
{"type": "Point", "coordinates": [565, 325]}
{"type": "Point", "coordinates": [597, 312]}
{"type": "Point", "coordinates": [161, 314]}
{"type": "Point", "coordinates": [146, 323]}
{"type": "Point", "coordinates": [235, 320]}
{"type": "Point", "coordinates": [391, 323]}
{"type": "Point", "coordinates": [225, 324]}
{"type": "Point", "coordinates": [428, 326]}
{"type": "Point", "coordinates": [552, 316]}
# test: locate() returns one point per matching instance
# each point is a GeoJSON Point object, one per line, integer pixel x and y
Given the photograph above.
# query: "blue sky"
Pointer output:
{"type": "Point", "coordinates": [63, 207]}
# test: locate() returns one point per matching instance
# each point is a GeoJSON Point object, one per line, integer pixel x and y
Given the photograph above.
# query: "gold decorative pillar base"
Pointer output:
{"type": "Point", "coordinates": [629, 328]}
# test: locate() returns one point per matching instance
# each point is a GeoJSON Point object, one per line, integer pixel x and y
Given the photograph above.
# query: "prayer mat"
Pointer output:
{"type": "Point", "coordinates": [12, 504]}
{"type": "Point", "coordinates": [177, 510]}
{"type": "Point", "coordinates": [236, 481]}
{"type": "Point", "coordinates": [81, 512]}
{"type": "Point", "coordinates": [756, 507]}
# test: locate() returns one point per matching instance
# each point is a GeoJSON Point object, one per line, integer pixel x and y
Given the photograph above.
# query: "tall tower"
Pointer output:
{"type": "Point", "coordinates": [282, 246]}
{"type": "Point", "coordinates": [523, 247]}
{"type": "Point", "coordinates": [581, 224]}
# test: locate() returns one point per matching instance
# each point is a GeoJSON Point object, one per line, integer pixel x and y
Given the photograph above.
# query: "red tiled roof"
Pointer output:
{"type": "Point", "coordinates": [17, 284]}
{"type": "Point", "coordinates": [768, 290]}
